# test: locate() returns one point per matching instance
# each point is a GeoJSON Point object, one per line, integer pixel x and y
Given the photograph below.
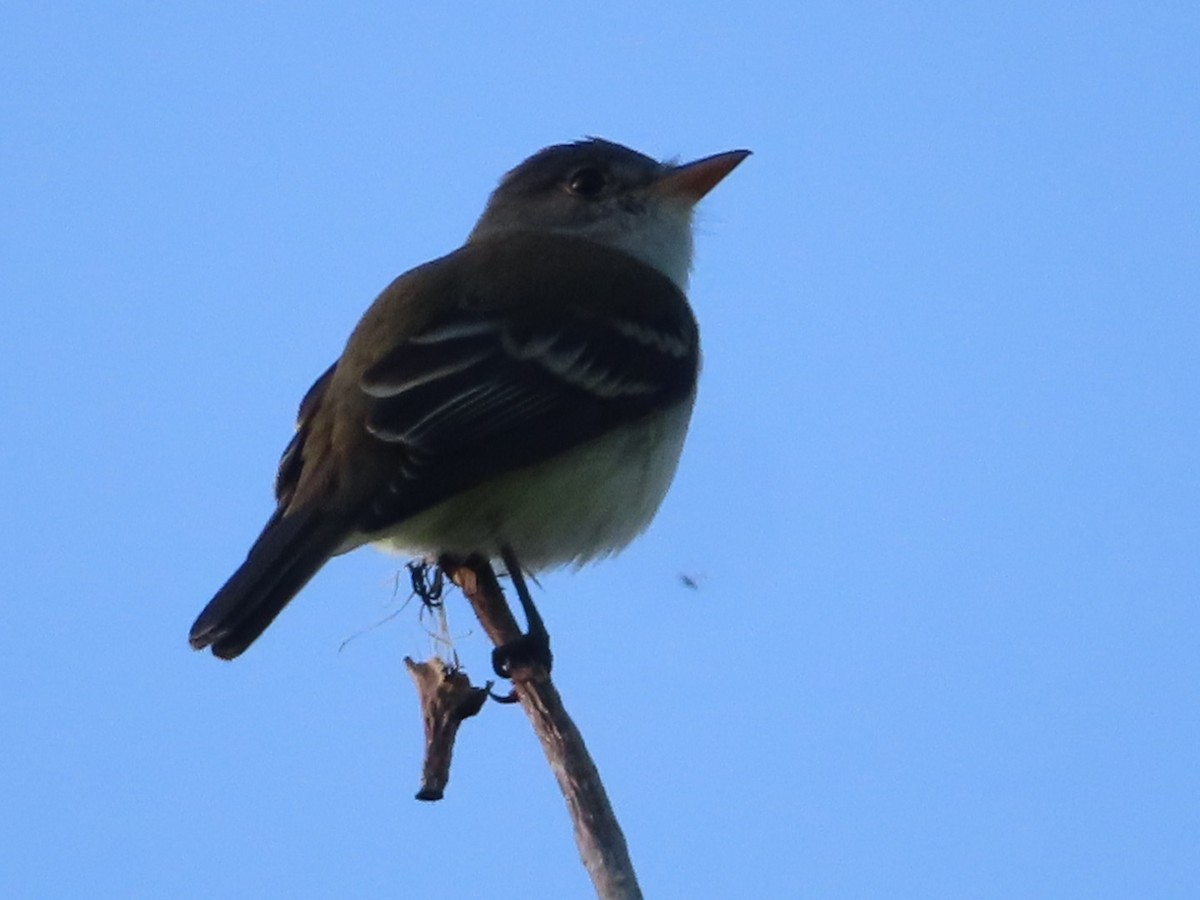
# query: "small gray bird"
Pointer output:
{"type": "Point", "coordinates": [526, 395]}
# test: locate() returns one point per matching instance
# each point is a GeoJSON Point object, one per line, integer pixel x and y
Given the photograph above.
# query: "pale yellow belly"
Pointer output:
{"type": "Point", "coordinates": [585, 504]}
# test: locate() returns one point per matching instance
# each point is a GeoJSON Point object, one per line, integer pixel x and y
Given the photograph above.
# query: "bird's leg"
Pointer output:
{"type": "Point", "coordinates": [533, 647]}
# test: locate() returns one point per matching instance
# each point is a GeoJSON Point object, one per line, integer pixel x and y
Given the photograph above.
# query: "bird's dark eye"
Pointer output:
{"type": "Point", "coordinates": [586, 182]}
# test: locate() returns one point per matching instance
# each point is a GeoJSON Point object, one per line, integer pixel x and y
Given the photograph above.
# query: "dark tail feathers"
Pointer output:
{"type": "Point", "coordinates": [286, 555]}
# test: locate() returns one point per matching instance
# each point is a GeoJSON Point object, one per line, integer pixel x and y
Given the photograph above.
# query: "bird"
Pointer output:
{"type": "Point", "coordinates": [523, 397]}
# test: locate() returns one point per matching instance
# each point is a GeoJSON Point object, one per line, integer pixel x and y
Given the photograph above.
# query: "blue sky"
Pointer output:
{"type": "Point", "coordinates": [940, 495]}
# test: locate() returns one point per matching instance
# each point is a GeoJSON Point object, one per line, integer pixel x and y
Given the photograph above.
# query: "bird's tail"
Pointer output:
{"type": "Point", "coordinates": [290, 550]}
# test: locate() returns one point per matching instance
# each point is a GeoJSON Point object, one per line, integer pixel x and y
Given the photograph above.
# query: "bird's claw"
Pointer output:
{"type": "Point", "coordinates": [528, 651]}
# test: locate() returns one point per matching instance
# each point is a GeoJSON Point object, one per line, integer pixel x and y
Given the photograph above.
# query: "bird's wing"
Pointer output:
{"type": "Point", "coordinates": [482, 390]}
{"type": "Point", "coordinates": [291, 464]}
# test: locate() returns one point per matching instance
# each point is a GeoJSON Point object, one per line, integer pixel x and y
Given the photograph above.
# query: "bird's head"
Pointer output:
{"type": "Point", "coordinates": [604, 192]}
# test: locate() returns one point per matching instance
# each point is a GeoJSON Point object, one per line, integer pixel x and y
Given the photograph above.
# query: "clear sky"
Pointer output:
{"type": "Point", "coordinates": [940, 497]}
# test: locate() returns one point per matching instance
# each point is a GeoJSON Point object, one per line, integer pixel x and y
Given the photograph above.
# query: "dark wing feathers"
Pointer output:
{"type": "Point", "coordinates": [480, 394]}
{"type": "Point", "coordinates": [292, 461]}
{"type": "Point", "coordinates": [293, 545]}
{"type": "Point", "coordinates": [431, 355]}
{"type": "Point", "coordinates": [286, 555]}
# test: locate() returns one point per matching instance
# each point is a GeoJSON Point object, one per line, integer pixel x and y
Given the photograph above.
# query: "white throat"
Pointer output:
{"type": "Point", "coordinates": [658, 234]}
{"type": "Point", "coordinates": [662, 238]}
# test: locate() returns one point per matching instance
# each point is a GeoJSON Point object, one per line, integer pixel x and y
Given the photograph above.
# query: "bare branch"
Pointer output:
{"type": "Point", "coordinates": [597, 834]}
{"type": "Point", "coordinates": [447, 698]}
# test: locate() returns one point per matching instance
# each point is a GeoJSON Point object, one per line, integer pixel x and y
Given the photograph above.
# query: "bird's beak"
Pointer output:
{"type": "Point", "coordinates": [691, 181]}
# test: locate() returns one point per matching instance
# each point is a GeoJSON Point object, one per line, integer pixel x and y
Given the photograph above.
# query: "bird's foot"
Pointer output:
{"type": "Point", "coordinates": [529, 651]}
{"type": "Point", "coordinates": [532, 649]}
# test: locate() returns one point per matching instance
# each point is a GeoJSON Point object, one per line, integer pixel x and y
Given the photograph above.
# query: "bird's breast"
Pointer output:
{"type": "Point", "coordinates": [581, 505]}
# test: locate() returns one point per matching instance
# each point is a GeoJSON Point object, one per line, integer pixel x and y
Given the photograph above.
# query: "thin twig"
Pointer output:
{"type": "Point", "coordinates": [447, 698]}
{"type": "Point", "coordinates": [597, 834]}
